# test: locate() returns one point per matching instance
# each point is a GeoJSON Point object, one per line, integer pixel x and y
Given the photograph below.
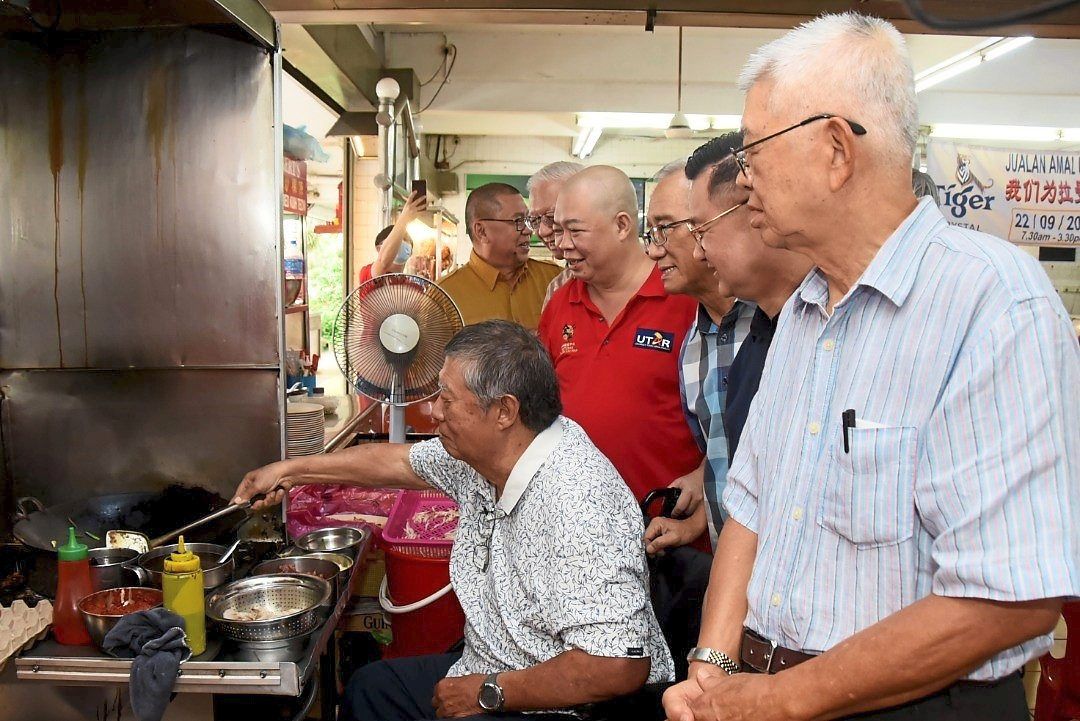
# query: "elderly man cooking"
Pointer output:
{"type": "Point", "coordinates": [548, 563]}
{"type": "Point", "coordinates": [903, 504]}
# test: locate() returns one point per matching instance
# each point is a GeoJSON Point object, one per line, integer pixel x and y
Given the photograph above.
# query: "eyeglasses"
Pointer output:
{"type": "Point", "coordinates": [740, 153]}
{"type": "Point", "coordinates": [535, 221]}
{"type": "Point", "coordinates": [699, 231]}
{"type": "Point", "coordinates": [487, 520]}
{"type": "Point", "coordinates": [520, 224]}
{"type": "Point", "coordinates": [658, 234]}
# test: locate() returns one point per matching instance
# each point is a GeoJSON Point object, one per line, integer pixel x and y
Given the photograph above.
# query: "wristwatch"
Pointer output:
{"type": "Point", "coordinates": [716, 658]}
{"type": "Point", "coordinates": [491, 694]}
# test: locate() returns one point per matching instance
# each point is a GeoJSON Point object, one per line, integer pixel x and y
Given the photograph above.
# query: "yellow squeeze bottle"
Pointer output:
{"type": "Point", "coordinates": [182, 586]}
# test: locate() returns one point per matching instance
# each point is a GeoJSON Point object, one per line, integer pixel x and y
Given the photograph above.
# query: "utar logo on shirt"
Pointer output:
{"type": "Point", "coordinates": [654, 340]}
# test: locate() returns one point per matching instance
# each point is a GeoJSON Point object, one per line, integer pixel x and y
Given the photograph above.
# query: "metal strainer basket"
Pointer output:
{"type": "Point", "coordinates": [301, 602]}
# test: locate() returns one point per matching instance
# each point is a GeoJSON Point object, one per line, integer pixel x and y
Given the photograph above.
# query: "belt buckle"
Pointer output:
{"type": "Point", "coordinates": [772, 649]}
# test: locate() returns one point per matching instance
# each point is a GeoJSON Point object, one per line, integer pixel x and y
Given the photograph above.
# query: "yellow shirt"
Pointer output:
{"type": "Point", "coordinates": [481, 294]}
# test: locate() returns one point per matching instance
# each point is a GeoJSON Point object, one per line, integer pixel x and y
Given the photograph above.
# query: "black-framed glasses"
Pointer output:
{"type": "Point", "coordinates": [535, 221]}
{"type": "Point", "coordinates": [487, 520]}
{"type": "Point", "coordinates": [520, 224]}
{"type": "Point", "coordinates": [699, 231]}
{"type": "Point", "coordinates": [740, 153]}
{"type": "Point", "coordinates": [658, 234]}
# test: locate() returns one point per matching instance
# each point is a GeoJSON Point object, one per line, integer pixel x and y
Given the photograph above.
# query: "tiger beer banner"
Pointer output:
{"type": "Point", "coordinates": [1028, 197]}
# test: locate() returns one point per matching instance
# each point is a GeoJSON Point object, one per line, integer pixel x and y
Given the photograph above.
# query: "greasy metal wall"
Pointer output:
{"type": "Point", "coordinates": [140, 265]}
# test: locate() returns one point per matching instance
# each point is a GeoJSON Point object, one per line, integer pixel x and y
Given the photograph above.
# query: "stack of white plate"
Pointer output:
{"type": "Point", "coordinates": [304, 429]}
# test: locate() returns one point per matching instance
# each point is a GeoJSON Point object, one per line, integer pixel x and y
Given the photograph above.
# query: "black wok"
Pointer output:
{"type": "Point", "coordinates": [151, 512]}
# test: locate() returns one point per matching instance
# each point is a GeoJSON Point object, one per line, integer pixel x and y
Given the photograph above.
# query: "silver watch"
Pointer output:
{"type": "Point", "coordinates": [716, 658]}
{"type": "Point", "coordinates": [491, 694]}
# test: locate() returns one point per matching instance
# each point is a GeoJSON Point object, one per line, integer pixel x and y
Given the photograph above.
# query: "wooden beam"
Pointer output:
{"type": "Point", "coordinates": [685, 13]}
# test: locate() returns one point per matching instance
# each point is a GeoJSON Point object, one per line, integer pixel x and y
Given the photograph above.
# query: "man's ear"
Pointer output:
{"type": "Point", "coordinates": [842, 150]}
{"type": "Point", "coordinates": [626, 226]}
{"type": "Point", "coordinates": [508, 408]}
{"type": "Point", "coordinates": [479, 233]}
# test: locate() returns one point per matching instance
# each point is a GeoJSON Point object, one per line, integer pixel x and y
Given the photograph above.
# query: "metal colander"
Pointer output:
{"type": "Point", "coordinates": [301, 601]}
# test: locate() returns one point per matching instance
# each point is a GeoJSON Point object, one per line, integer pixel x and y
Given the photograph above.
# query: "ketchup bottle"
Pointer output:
{"type": "Point", "coordinates": [73, 585]}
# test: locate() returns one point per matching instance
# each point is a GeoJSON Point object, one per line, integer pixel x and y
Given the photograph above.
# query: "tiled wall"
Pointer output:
{"type": "Point", "coordinates": [366, 218]}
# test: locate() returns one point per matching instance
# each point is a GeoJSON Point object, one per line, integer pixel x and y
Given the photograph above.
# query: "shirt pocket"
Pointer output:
{"type": "Point", "coordinates": [870, 491]}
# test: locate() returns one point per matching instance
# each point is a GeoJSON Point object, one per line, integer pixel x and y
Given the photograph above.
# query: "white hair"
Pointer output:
{"type": "Point", "coordinates": [675, 166]}
{"type": "Point", "coordinates": [846, 64]}
{"type": "Point", "coordinates": [554, 172]}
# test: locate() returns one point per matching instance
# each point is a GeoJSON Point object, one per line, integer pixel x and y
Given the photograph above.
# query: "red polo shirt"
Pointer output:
{"type": "Point", "coordinates": [621, 383]}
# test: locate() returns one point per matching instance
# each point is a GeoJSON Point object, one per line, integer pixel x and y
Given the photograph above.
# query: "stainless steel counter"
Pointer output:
{"type": "Point", "coordinates": [52, 663]}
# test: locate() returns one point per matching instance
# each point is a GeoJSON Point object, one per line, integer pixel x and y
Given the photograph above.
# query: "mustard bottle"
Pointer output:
{"type": "Point", "coordinates": [182, 586]}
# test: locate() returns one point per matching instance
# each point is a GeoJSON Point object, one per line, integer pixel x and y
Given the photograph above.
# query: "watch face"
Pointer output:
{"type": "Point", "coordinates": [490, 697]}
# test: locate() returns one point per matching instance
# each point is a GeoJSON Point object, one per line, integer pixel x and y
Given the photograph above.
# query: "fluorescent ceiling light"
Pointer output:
{"type": "Point", "coordinates": [586, 141]}
{"type": "Point", "coordinates": [1070, 135]}
{"type": "Point", "coordinates": [1006, 47]}
{"type": "Point", "coordinates": [990, 49]}
{"type": "Point", "coordinates": [1002, 132]}
{"type": "Point", "coordinates": [655, 121]}
{"type": "Point", "coordinates": [946, 73]}
{"type": "Point", "coordinates": [649, 121]}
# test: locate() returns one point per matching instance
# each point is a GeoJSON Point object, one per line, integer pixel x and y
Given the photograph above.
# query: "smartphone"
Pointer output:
{"type": "Point", "coordinates": [420, 186]}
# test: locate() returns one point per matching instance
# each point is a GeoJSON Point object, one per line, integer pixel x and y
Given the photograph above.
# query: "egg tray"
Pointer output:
{"type": "Point", "coordinates": [21, 627]}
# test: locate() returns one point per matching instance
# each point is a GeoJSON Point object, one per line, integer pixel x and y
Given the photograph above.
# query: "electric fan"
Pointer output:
{"type": "Point", "coordinates": [390, 337]}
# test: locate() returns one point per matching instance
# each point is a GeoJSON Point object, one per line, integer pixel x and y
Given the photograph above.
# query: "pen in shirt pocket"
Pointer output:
{"type": "Point", "coordinates": [847, 422]}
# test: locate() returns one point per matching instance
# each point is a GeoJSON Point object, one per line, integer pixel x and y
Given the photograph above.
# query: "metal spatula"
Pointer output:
{"type": "Point", "coordinates": [142, 543]}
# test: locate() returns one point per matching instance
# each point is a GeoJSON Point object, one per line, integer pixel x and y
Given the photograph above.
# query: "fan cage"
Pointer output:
{"type": "Point", "coordinates": [371, 369]}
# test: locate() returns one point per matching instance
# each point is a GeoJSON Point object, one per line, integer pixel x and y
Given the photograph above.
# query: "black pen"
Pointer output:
{"type": "Point", "coordinates": [847, 423]}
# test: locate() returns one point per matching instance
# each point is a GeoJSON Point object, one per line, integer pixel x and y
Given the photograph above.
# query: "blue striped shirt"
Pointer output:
{"type": "Point", "coordinates": [963, 476]}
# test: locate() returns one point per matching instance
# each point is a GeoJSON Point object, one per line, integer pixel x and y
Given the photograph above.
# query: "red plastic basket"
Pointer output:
{"type": "Point", "coordinates": [396, 536]}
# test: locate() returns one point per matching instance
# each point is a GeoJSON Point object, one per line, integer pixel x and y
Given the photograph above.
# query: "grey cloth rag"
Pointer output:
{"type": "Point", "coordinates": [156, 640]}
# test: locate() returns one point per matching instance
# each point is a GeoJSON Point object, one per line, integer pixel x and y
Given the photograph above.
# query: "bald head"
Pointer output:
{"type": "Point", "coordinates": [606, 188]}
{"type": "Point", "coordinates": [596, 221]}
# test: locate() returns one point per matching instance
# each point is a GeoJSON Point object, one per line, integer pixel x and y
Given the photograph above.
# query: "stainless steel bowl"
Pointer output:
{"type": "Point", "coordinates": [305, 566]}
{"type": "Point", "coordinates": [334, 540]}
{"type": "Point", "coordinates": [98, 625]}
{"type": "Point", "coordinates": [286, 649]}
{"type": "Point", "coordinates": [343, 562]}
{"type": "Point", "coordinates": [292, 605]}
{"type": "Point", "coordinates": [116, 567]}
{"type": "Point", "coordinates": [214, 573]}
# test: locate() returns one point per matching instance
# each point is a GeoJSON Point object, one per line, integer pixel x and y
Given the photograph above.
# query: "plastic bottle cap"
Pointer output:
{"type": "Point", "coordinates": [72, 550]}
{"type": "Point", "coordinates": [182, 560]}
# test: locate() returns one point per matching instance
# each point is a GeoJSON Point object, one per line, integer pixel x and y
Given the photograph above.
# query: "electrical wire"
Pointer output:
{"type": "Point", "coordinates": [451, 54]}
{"type": "Point", "coordinates": [52, 25]}
{"type": "Point", "coordinates": [915, 8]}
{"type": "Point", "coordinates": [447, 156]}
{"type": "Point", "coordinates": [442, 65]}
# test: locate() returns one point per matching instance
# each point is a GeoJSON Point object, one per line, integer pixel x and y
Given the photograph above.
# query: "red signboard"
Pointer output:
{"type": "Point", "coordinates": [295, 187]}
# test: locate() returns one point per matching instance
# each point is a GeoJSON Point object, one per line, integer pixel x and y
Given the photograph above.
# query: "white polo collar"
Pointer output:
{"type": "Point", "coordinates": [528, 464]}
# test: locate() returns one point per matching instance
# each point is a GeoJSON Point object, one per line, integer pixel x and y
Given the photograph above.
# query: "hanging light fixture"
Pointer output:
{"type": "Point", "coordinates": [680, 126]}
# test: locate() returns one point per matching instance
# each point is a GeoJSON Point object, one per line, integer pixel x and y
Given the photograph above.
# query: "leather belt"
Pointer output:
{"type": "Point", "coordinates": [761, 655]}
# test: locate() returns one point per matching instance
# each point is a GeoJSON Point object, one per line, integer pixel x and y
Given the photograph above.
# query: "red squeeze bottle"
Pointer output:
{"type": "Point", "coordinates": [73, 585]}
